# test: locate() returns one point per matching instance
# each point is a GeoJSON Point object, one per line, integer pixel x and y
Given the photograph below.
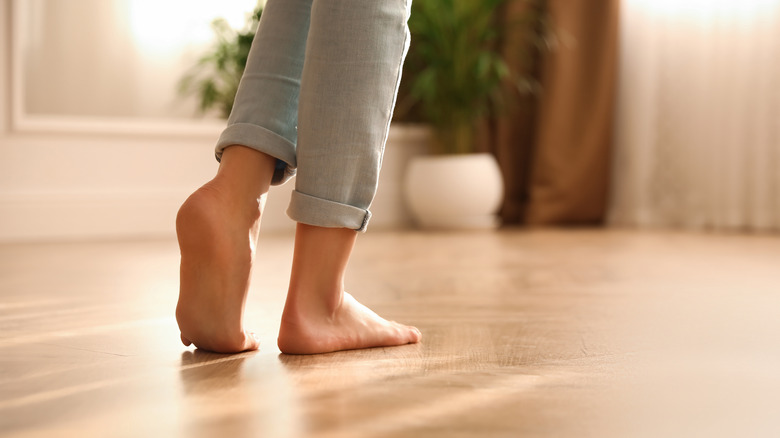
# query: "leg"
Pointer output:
{"type": "Point", "coordinates": [217, 226]}
{"type": "Point", "coordinates": [319, 317]}
{"type": "Point", "coordinates": [350, 79]}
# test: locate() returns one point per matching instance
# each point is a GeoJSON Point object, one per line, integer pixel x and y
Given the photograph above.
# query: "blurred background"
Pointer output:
{"type": "Point", "coordinates": [632, 113]}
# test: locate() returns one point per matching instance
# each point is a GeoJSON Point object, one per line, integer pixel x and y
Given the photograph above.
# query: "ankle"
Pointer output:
{"type": "Point", "coordinates": [245, 172]}
{"type": "Point", "coordinates": [218, 202]}
{"type": "Point", "coordinates": [312, 303]}
{"type": "Point", "coordinates": [236, 193]}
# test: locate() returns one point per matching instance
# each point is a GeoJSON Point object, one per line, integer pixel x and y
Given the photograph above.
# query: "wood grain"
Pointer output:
{"type": "Point", "coordinates": [526, 333]}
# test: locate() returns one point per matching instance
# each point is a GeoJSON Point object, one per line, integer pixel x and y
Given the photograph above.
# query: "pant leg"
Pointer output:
{"type": "Point", "coordinates": [265, 112]}
{"type": "Point", "coordinates": [351, 73]}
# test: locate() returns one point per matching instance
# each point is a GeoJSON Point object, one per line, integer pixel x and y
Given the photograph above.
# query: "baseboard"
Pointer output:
{"type": "Point", "coordinates": [145, 214]}
{"type": "Point", "coordinates": [74, 215]}
{"type": "Point", "coordinates": [71, 214]}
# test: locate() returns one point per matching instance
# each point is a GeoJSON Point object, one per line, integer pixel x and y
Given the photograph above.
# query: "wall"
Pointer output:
{"type": "Point", "coordinates": [62, 183]}
{"type": "Point", "coordinates": [89, 186]}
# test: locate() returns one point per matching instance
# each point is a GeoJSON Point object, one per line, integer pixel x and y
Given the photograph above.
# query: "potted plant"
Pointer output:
{"type": "Point", "coordinates": [456, 77]}
{"type": "Point", "coordinates": [214, 78]}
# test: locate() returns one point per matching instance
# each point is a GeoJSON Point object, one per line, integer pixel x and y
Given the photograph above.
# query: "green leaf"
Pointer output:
{"type": "Point", "coordinates": [216, 74]}
{"type": "Point", "coordinates": [455, 70]}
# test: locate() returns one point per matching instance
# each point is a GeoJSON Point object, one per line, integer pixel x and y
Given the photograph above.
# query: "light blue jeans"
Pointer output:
{"type": "Point", "coordinates": [318, 94]}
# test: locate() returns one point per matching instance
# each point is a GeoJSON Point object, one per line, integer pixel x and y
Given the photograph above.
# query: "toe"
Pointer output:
{"type": "Point", "coordinates": [415, 335]}
{"type": "Point", "coordinates": [251, 342]}
{"type": "Point", "coordinates": [185, 341]}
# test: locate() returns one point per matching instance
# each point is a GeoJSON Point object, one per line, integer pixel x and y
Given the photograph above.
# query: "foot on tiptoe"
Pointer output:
{"type": "Point", "coordinates": [217, 236]}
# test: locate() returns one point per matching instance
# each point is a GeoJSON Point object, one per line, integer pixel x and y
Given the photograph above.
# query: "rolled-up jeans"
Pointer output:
{"type": "Point", "coordinates": [318, 95]}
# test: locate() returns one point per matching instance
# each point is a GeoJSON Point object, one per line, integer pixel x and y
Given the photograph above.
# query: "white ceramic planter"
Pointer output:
{"type": "Point", "coordinates": [454, 191]}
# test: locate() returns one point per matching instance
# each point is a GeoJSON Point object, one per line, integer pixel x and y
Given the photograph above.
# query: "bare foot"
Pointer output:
{"type": "Point", "coordinates": [319, 317]}
{"type": "Point", "coordinates": [217, 229]}
{"type": "Point", "coordinates": [351, 326]}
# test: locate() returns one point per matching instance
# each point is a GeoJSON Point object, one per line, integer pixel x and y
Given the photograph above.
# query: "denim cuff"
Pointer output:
{"type": "Point", "coordinates": [263, 140]}
{"type": "Point", "coordinates": [319, 212]}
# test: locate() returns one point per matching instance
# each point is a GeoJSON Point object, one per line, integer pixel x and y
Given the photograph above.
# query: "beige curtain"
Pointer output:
{"type": "Point", "coordinates": [698, 112]}
{"type": "Point", "coordinates": [554, 153]}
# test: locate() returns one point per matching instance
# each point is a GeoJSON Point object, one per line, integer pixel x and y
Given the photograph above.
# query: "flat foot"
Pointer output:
{"type": "Point", "coordinates": [351, 326]}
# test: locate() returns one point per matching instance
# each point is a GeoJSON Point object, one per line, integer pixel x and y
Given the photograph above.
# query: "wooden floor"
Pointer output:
{"type": "Point", "coordinates": [526, 333]}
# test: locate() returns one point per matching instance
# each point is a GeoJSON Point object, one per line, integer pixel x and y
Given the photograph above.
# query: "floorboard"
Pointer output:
{"type": "Point", "coordinates": [526, 333]}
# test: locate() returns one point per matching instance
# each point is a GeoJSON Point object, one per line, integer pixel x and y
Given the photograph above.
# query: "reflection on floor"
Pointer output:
{"type": "Point", "coordinates": [539, 333]}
